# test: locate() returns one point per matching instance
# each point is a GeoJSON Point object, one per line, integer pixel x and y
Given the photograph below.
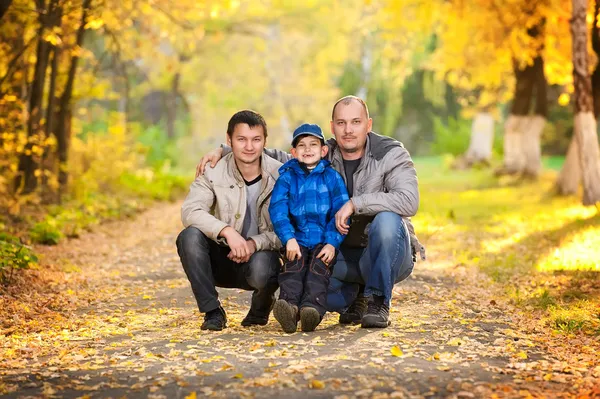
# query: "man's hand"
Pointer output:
{"type": "Point", "coordinates": [326, 254]}
{"type": "Point", "coordinates": [292, 249]}
{"type": "Point", "coordinates": [212, 157]}
{"type": "Point", "coordinates": [251, 250]}
{"type": "Point", "coordinates": [237, 244]}
{"type": "Point", "coordinates": [341, 217]}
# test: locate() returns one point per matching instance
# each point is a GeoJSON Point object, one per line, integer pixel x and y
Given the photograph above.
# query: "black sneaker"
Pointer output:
{"type": "Point", "coordinates": [215, 320]}
{"type": "Point", "coordinates": [378, 313]}
{"type": "Point", "coordinates": [309, 319]}
{"type": "Point", "coordinates": [253, 320]}
{"type": "Point", "coordinates": [356, 311]}
{"type": "Point", "coordinates": [287, 315]}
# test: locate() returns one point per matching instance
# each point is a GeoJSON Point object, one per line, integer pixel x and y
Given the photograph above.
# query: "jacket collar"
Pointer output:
{"type": "Point", "coordinates": [376, 146]}
{"type": "Point", "coordinates": [268, 167]}
{"type": "Point", "coordinates": [294, 165]}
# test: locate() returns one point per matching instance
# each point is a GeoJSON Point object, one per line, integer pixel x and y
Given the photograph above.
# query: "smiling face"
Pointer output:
{"type": "Point", "coordinates": [247, 143]}
{"type": "Point", "coordinates": [350, 126]}
{"type": "Point", "coordinates": [309, 150]}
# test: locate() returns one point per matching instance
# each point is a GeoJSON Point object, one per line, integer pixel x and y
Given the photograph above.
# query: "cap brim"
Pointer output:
{"type": "Point", "coordinates": [298, 137]}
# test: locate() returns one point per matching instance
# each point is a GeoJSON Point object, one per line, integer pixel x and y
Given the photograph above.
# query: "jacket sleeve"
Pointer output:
{"type": "Point", "coordinates": [401, 188]}
{"type": "Point", "coordinates": [279, 210]}
{"type": "Point", "coordinates": [267, 241]}
{"type": "Point", "coordinates": [195, 210]}
{"type": "Point", "coordinates": [339, 196]}
{"type": "Point", "coordinates": [278, 155]}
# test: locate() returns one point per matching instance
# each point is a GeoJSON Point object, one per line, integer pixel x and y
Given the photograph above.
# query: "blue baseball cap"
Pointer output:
{"type": "Point", "coordinates": [307, 129]}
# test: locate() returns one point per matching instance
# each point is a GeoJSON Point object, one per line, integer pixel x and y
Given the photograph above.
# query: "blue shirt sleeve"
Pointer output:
{"type": "Point", "coordinates": [339, 196]}
{"type": "Point", "coordinates": [279, 209]}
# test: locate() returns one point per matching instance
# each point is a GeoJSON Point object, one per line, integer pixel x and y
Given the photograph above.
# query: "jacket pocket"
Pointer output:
{"type": "Point", "coordinates": [293, 266]}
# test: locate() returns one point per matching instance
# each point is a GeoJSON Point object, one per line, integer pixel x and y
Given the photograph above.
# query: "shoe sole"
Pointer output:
{"type": "Point", "coordinates": [309, 319]}
{"type": "Point", "coordinates": [286, 315]}
{"type": "Point", "coordinates": [212, 328]}
{"type": "Point", "coordinates": [374, 323]}
{"type": "Point", "coordinates": [250, 324]}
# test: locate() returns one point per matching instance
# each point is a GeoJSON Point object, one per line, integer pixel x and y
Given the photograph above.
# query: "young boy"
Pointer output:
{"type": "Point", "coordinates": [305, 199]}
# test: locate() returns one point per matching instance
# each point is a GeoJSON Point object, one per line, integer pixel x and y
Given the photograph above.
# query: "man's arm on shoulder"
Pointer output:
{"type": "Point", "coordinates": [195, 210]}
{"type": "Point", "coordinates": [279, 155]}
{"type": "Point", "coordinates": [402, 196]}
{"type": "Point", "coordinates": [339, 196]}
{"type": "Point", "coordinates": [215, 155]}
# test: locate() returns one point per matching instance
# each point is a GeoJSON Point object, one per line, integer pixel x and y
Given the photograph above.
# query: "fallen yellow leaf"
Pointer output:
{"type": "Point", "coordinates": [522, 355]}
{"type": "Point", "coordinates": [396, 351]}
{"type": "Point", "coordinates": [454, 342]}
{"type": "Point", "coordinates": [317, 384]}
{"type": "Point", "coordinates": [191, 396]}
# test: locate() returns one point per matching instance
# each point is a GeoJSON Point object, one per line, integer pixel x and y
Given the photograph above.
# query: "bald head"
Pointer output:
{"type": "Point", "coordinates": [347, 100]}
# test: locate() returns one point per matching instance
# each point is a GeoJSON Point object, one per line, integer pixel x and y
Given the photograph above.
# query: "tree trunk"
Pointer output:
{"type": "Point", "coordinates": [482, 140]}
{"type": "Point", "coordinates": [50, 110]}
{"type": "Point", "coordinates": [171, 106]}
{"type": "Point", "coordinates": [366, 63]}
{"type": "Point", "coordinates": [585, 123]}
{"type": "Point", "coordinates": [4, 5]}
{"type": "Point", "coordinates": [596, 73]}
{"type": "Point", "coordinates": [275, 70]}
{"type": "Point", "coordinates": [27, 161]}
{"type": "Point", "coordinates": [523, 131]}
{"type": "Point", "coordinates": [570, 174]}
{"type": "Point", "coordinates": [63, 123]}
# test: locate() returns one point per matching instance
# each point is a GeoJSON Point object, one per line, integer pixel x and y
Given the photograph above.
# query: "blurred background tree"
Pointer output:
{"type": "Point", "coordinates": [115, 97]}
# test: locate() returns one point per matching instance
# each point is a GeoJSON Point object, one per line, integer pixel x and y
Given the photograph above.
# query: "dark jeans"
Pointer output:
{"type": "Point", "coordinates": [385, 261]}
{"type": "Point", "coordinates": [207, 266]}
{"type": "Point", "coordinates": [303, 282]}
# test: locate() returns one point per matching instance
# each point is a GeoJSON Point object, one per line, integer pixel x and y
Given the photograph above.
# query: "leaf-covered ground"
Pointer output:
{"type": "Point", "coordinates": [121, 321]}
{"type": "Point", "coordinates": [111, 314]}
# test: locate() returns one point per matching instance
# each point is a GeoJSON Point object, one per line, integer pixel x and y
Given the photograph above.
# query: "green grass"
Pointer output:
{"type": "Point", "coordinates": [517, 232]}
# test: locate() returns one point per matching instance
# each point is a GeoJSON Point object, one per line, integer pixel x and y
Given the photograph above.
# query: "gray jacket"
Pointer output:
{"type": "Point", "coordinates": [217, 199]}
{"type": "Point", "coordinates": [385, 180]}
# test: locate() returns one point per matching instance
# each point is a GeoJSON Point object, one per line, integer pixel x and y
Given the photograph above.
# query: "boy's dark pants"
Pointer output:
{"type": "Point", "coordinates": [303, 282]}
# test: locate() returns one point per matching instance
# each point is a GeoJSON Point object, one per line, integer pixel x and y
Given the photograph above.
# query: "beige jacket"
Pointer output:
{"type": "Point", "coordinates": [217, 199]}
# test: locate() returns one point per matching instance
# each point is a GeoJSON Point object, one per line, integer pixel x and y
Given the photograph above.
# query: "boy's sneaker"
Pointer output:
{"type": "Point", "coordinates": [378, 313]}
{"type": "Point", "coordinates": [309, 319]}
{"type": "Point", "coordinates": [215, 320]}
{"type": "Point", "coordinates": [356, 311]}
{"type": "Point", "coordinates": [287, 315]}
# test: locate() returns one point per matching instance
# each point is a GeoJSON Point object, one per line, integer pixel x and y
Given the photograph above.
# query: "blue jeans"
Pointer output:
{"type": "Point", "coordinates": [385, 261]}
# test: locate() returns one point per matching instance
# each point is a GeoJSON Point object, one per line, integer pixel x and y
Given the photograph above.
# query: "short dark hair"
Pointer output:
{"type": "Point", "coordinates": [249, 117]}
{"type": "Point", "coordinates": [347, 100]}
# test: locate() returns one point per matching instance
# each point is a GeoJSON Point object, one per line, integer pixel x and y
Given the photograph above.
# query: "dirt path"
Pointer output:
{"type": "Point", "coordinates": [134, 331]}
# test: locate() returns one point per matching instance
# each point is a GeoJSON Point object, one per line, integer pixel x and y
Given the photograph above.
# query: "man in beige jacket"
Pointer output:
{"type": "Point", "coordinates": [229, 240]}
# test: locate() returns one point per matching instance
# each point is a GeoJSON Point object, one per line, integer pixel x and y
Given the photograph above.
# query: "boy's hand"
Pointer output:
{"type": "Point", "coordinates": [292, 249]}
{"type": "Point", "coordinates": [327, 253]}
{"type": "Point", "coordinates": [213, 157]}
